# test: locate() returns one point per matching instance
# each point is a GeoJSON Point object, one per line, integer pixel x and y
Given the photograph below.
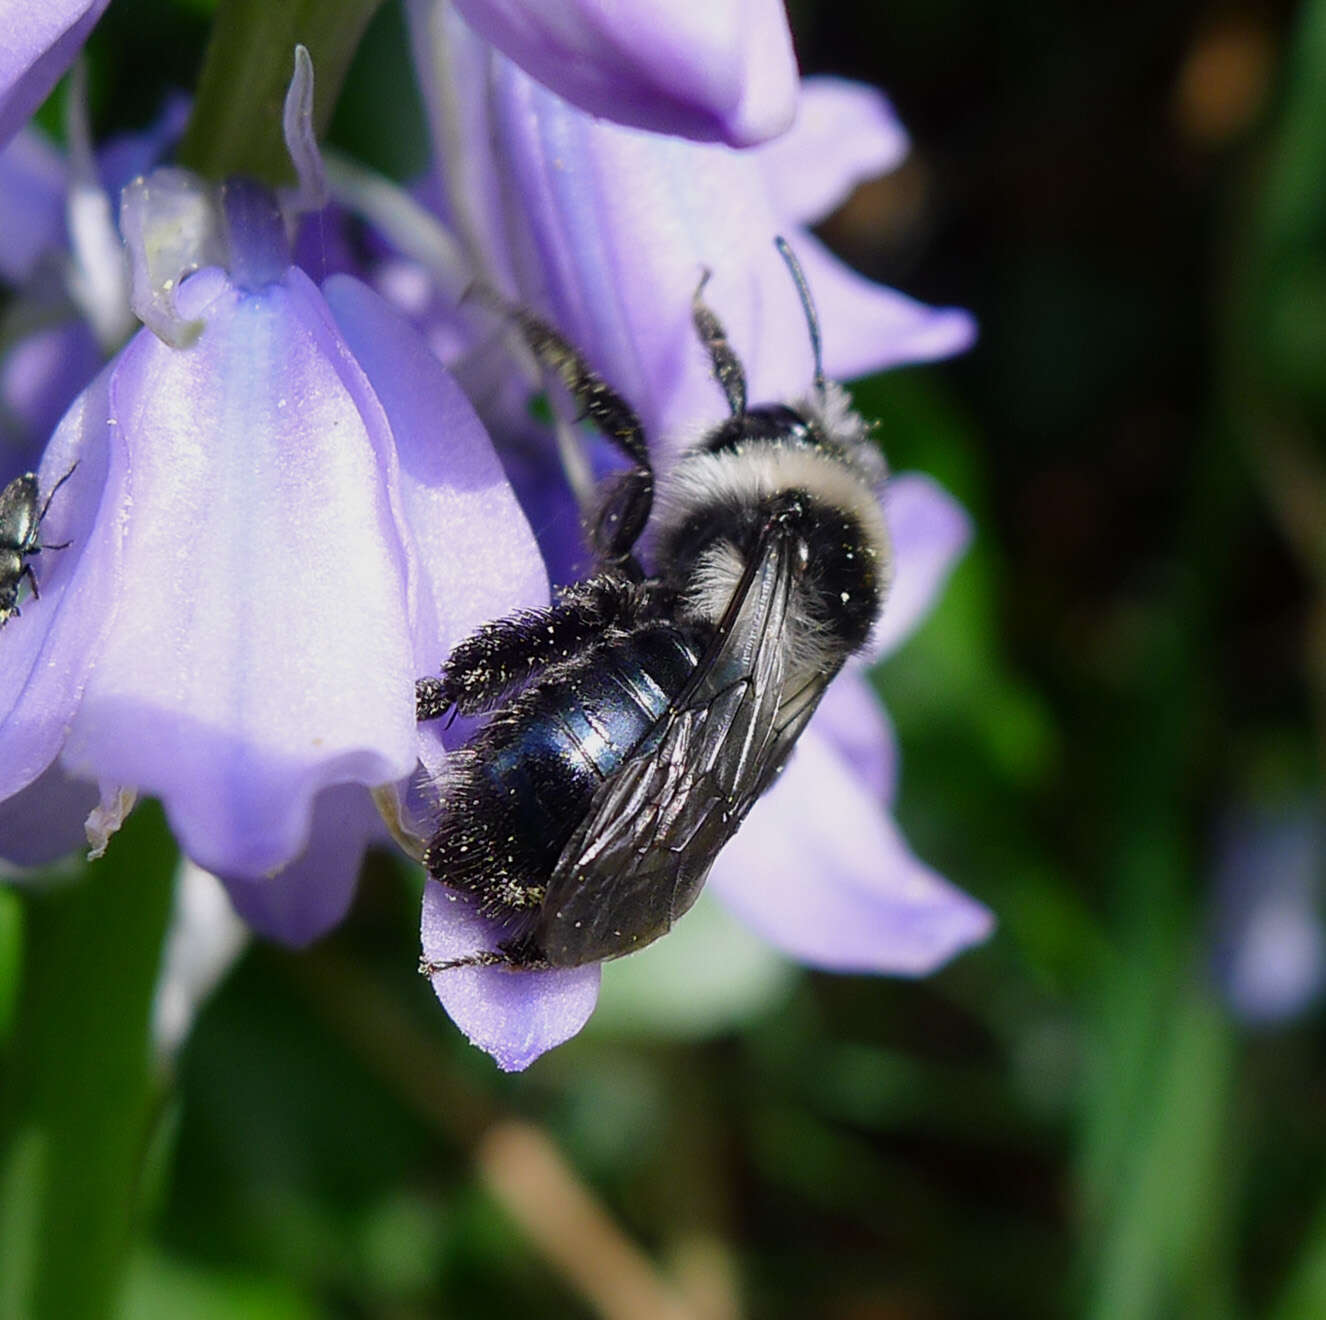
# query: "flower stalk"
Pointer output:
{"type": "Point", "coordinates": [236, 124]}
{"type": "Point", "coordinates": [80, 1103]}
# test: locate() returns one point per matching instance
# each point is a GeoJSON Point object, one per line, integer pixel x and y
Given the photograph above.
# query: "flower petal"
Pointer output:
{"type": "Point", "coordinates": [623, 223]}
{"type": "Point", "coordinates": [478, 556]}
{"type": "Point", "coordinates": [719, 71]}
{"type": "Point", "coordinates": [514, 1016]}
{"type": "Point", "coordinates": [47, 652]}
{"type": "Point", "coordinates": [845, 133]}
{"type": "Point", "coordinates": [821, 872]}
{"type": "Point", "coordinates": [852, 719]}
{"type": "Point", "coordinates": [304, 900]}
{"type": "Point", "coordinates": [930, 531]}
{"type": "Point", "coordinates": [261, 650]}
{"type": "Point", "coordinates": [40, 376]}
{"type": "Point", "coordinates": [44, 821]}
{"type": "Point", "coordinates": [868, 327]}
{"type": "Point", "coordinates": [38, 42]}
{"type": "Point", "coordinates": [32, 195]}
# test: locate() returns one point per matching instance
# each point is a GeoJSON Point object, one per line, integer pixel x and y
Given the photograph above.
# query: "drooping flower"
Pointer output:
{"type": "Point", "coordinates": [723, 71]}
{"type": "Point", "coordinates": [276, 521]}
{"type": "Point", "coordinates": [606, 230]}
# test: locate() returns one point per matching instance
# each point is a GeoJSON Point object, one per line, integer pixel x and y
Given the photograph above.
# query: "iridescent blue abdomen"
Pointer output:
{"type": "Point", "coordinates": [519, 790]}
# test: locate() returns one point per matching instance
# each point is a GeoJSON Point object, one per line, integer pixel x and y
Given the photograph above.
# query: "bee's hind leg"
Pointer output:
{"type": "Point", "coordinates": [492, 662]}
{"type": "Point", "coordinates": [512, 959]}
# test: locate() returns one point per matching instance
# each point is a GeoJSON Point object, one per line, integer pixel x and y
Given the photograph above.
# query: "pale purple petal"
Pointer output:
{"type": "Point", "coordinates": [852, 719]}
{"type": "Point", "coordinates": [44, 821]}
{"type": "Point", "coordinates": [622, 224]}
{"type": "Point", "coordinates": [304, 900]}
{"type": "Point", "coordinates": [478, 557]}
{"type": "Point", "coordinates": [719, 71]}
{"type": "Point", "coordinates": [47, 652]}
{"type": "Point", "coordinates": [40, 376]}
{"type": "Point", "coordinates": [260, 651]}
{"type": "Point", "coordinates": [32, 194]}
{"type": "Point", "coordinates": [930, 531]}
{"type": "Point", "coordinates": [819, 870]}
{"type": "Point", "coordinates": [514, 1016]}
{"type": "Point", "coordinates": [845, 133]}
{"type": "Point", "coordinates": [869, 327]}
{"type": "Point", "coordinates": [38, 42]}
{"type": "Point", "coordinates": [530, 458]}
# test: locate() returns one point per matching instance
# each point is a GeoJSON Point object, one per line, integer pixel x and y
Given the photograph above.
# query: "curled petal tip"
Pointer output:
{"type": "Point", "coordinates": [171, 226]}
{"type": "Point", "coordinates": [514, 1016]}
{"type": "Point", "coordinates": [117, 801]}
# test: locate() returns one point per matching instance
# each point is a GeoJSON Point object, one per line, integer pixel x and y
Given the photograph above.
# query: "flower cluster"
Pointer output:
{"type": "Point", "coordinates": [286, 500]}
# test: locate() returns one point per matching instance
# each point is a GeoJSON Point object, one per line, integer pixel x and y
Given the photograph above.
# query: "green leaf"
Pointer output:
{"type": "Point", "coordinates": [161, 1288]}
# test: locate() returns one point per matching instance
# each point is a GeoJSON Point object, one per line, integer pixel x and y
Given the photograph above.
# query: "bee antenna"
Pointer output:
{"type": "Point", "coordinates": [808, 306]}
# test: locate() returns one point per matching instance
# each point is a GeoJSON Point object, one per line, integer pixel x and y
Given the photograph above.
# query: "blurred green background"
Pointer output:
{"type": "Point", "coordinates": [1126, 677]}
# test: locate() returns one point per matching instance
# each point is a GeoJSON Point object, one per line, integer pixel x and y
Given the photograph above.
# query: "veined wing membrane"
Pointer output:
{"type": "Point", "coordinates": [641, 855]}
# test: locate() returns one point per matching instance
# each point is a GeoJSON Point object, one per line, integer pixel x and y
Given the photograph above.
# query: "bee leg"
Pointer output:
{"type": "Point", "coordinates": [431, 700]}
{"type": "Point", "coordinates": [499, 957]}
{"type": "Point", "coordinates": [726, 365]}
{"type": "Point", "coordinates": [488, 664]}
{"type": "Point", "coordinates": [622, 515]}
{"type": "Point", "coordinates": [484, 958]}
{"type": "Point", "coordinates": [620, 518]}
{"type": "Point", "coordinates": [32, 581]}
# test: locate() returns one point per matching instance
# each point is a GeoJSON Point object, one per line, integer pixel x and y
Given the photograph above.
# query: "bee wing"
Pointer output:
{"type": "Point", "coordinates": [638, 860]}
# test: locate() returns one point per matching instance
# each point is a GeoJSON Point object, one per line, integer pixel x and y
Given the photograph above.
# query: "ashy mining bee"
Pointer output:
{"type": "Point", "coordinates": [636, 721]}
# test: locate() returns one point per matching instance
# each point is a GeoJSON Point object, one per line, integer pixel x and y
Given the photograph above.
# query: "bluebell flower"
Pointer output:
{"type": "Point", "coordinates": [281, 510]}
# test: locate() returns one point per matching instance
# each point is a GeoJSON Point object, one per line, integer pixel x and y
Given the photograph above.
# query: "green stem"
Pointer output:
{"type": "Point", "coordinates": [80, 1079]}
{"type": "Point", "coordinates": [236, 122]}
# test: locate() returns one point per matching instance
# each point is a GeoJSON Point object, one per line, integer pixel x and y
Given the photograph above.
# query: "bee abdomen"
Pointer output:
{"type": "Point", "coordinates": [514, 796]}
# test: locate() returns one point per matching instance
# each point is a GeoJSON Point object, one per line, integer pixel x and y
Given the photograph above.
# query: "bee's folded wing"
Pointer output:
{"type": "Point", "coordinates": [640, 857]}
